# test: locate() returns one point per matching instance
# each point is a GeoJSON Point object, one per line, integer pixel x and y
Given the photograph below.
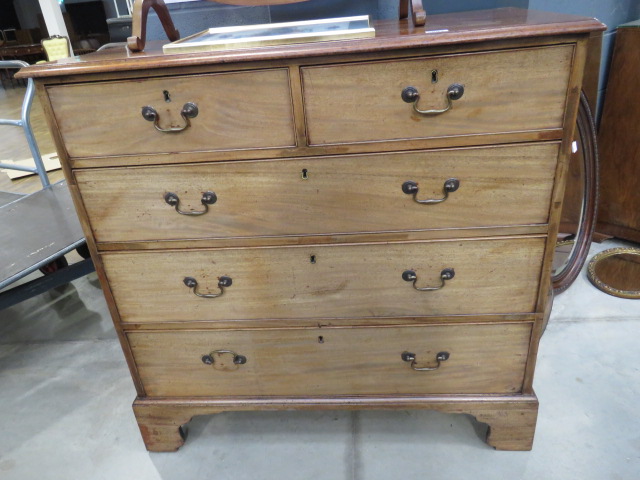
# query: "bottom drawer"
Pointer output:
{"type": "Point", "coordinates": [482, 358]}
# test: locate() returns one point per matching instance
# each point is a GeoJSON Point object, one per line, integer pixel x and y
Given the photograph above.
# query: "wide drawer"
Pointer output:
{"type": "Point", "coordinates": [234, 111]}
{"type": "Point", "coordinates": [496, 186]}
{"type": "Point", "coordinates": [486, 358]}
{"type": "Point", "coordinates": [492, 276]}
{"type": "Point", "coordinates": [504, 91]}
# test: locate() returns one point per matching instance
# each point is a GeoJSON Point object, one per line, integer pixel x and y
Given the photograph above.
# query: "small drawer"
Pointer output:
{"type": "Point", "coordinates": [462, 188]}
{"type": "Point", "coordinates": [443, 359]}
{"type": "Point", "coordinates": [490, 276]}
{"type": "Point", "coordinates": [237, 110]}
{"type": "Point", "coordinates": [491, 92]}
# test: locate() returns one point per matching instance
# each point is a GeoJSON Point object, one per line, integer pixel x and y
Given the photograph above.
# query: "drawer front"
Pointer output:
{"type": "Point", "coordinates": [497, 186]}
{"type": "Point", "coordinates": [481, 359]}
{"type": "Point", "coordinates": [234, 111]}
{"type": "Point", "coordinates": [493, 276]}
{"type": "Point", "coordinates": [504, 91]}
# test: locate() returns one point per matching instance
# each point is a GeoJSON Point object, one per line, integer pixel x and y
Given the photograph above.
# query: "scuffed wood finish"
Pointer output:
{"type": "Point", "coordinates": [502, 93]}
{"type": "Point", "coordinates": [234, 111]}
{"type": "Point", "coordinates": [362, 194]}
{"type": "Point", "coordinates": [380, 236]}
{"type": "Point", "coordinates": [486, 358]}
{"type": "Point", "coordinates": [511, 419]}
{"type": "Point", "coordinates": [491, 276]}
{"type": "Point", "coordinates": [173, 158]}
{"type": "Point", "coordinates": [619, 141]}
{"type": "Point", "coordinates": [451, 29]}
{"type": "Point", "coordinates": [271, 323]}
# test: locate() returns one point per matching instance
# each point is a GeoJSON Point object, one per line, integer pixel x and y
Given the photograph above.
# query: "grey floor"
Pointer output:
{"type": "Point", "coordinates": [65, 409]}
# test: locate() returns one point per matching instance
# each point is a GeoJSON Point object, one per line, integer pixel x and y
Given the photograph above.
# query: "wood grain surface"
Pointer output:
{"type": "Point", "coordinates": [493, 25]}
{"type": "Point", "coordinates": [318, 304]}
{"type": "Point", "coordinates": [502, 93]}
{"type": "Point", "coordinates": [498, 186]}
{"type": "Point", "coordinates": [234, 111]}
{"type": "Point", "coordinates": [483, 359]}
{"type": "Point", "coordinates": [491, 276]}
{"type": "Point", "coordinates": [511, 418]}
{"type": "Point", "coordinates": [619, 142]}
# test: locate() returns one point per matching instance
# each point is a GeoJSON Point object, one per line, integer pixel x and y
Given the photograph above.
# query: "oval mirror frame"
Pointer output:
{"type": "Point", "coordinates": [585, 135]}
{"type": "Point", "coordinates": [600, 284]}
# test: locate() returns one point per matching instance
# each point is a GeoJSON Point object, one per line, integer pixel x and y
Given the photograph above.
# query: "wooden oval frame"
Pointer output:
{"type": "Point", "coordinates": [587, 139]}
{"type": "Point", "coordinates": [599, 284]}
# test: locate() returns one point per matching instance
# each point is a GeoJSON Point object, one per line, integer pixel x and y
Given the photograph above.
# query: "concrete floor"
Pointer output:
{"type": "Point", "coordinates": [65, 397]}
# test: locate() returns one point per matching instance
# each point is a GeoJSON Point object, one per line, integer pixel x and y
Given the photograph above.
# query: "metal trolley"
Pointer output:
{"type": "Point", "coordinates": [38, 229]}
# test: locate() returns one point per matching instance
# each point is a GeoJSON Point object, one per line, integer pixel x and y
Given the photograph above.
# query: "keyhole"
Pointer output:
{"type": "Point", "coordinates": [305, 176]}
{"type": "Point", "coordinates": [321, 339]}
{"type": "Point", "coordinates": [313, 259]}
{"type": "Point", "coordinates": [434, 76]}
{"type": "Point", "coordinates": [167, 97]}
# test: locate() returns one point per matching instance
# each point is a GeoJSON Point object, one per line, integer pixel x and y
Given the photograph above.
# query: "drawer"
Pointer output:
{"type": "Point", "coordinates": [234, 111]}
{"type": "Point", "coordinates": [497, 186]}
{"type": "Point", "coordinates": [492, 276]}
{"type": "Point", "coordinates": [504, 91]}
{"type": "Point", "coordinates": [486, 358]}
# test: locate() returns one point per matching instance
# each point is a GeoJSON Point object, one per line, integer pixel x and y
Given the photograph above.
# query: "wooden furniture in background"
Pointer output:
{"type": "Point", "coordinates": [28, 53]}
{"type": "Point", "coordinates": [619, 141]}
{"type": "Point", "coordinates": [361, 224]}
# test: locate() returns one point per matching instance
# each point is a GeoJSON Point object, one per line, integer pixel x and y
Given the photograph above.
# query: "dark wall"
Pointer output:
{"type": "Point", "coordinates": [8, 17]}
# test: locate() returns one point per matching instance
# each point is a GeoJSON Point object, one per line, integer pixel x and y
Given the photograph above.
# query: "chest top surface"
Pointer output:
{"type": "Point", "coordinates": [445, 29]}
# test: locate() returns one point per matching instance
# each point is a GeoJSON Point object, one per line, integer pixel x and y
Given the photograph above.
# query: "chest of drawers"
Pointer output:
{"type": "Point", "coordinates": [357, 224]}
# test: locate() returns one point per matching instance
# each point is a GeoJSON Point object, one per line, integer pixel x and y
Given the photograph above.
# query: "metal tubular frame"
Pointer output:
{"type": "Point", "coordinates": [25, 123]}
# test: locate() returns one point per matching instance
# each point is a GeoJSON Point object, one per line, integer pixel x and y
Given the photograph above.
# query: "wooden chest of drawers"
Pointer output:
{"type": "Point", "coordinates": [357, 224]}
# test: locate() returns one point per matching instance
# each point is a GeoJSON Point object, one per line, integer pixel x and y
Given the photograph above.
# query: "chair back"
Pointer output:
{"type": "Point", "coordinates": [56, 47]}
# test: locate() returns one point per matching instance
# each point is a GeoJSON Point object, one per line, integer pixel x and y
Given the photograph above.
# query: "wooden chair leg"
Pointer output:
{"type": "Point", "coordinates": [138, 39]}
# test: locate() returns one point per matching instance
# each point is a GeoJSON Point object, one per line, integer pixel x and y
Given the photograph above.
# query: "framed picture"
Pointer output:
{"type": "Point", "coordinates": [247, 36]}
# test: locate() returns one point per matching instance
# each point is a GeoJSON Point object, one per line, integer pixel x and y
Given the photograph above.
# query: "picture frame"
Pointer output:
{"type": "Point", "coordinates": [250, 36]}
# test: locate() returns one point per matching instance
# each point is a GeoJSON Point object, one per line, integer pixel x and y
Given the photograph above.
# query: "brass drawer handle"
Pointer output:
{"type": "Point", "coordinates": [223, 282]}
{"type": "Point", "coordinates": [237, 359]}
{"type": "Point", "coordinates": [189, 110]}
{"type": "Point", "coordinates": [446, 274]}
{"type": "Point", "coordinates": [208, 198]}
{"type": "Point", "coordinates": [411, 188]}
{"type": "Point", "coordinates": [411, 95]}
{"type": "Point", "coordinates": [411, 357]}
